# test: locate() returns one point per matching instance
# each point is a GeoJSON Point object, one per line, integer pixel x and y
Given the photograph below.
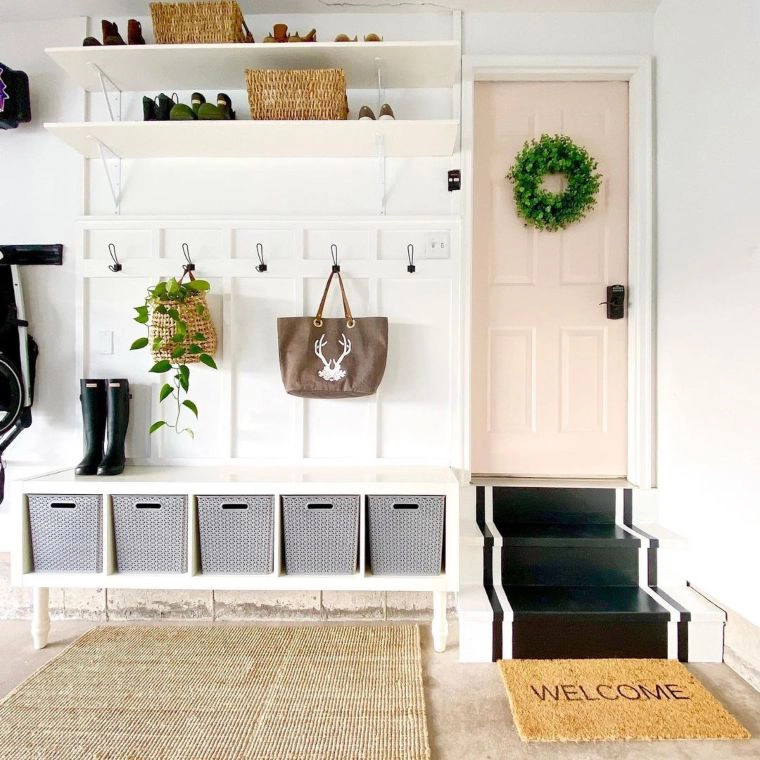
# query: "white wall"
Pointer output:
{"type": "Point", "coordinates": [708, 164]}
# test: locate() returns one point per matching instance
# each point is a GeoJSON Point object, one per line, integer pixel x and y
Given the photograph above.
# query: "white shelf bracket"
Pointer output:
{"type": "Point", "coordinates": [380, 88]}
{"type": "Point", "coordinates": [112, 97]}
{"type": "Point", "coordinates": [380, 144]}
{"type": "Point", "coordinates": [112, 168]}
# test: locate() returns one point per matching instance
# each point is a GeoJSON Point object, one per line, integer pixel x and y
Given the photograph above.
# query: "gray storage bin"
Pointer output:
{"type": "Point", "coordinates": [320, 534]}
{"type": "Point", "coordinates": [405, 534]}
{"type": "Point", "coordinates": [236, 534]}
{"type": "Point", "coordinates": [67, 533]}
{"type": "Point", "coordinates": [150, 533]}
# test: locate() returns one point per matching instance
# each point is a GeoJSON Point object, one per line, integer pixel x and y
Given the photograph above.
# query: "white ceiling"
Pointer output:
{"type": "Point", "coordinates": [17, 10]}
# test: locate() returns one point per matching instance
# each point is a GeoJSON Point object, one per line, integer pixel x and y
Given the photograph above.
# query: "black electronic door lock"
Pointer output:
{"type": "Point", "coordinates": [615, 301]}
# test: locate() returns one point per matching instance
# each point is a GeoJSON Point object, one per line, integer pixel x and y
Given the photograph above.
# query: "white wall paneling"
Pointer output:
{"type": "Point", "coordinates": [245, 412]}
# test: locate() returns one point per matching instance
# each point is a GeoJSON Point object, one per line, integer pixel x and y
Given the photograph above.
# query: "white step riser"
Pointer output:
{"type": "Point", "coordinates": [471, 565]}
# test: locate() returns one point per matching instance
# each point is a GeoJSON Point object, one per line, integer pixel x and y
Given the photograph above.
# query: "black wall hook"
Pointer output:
{"type": "Point", "coordinates": [189, 267]}
{"type": "Point", "coordinates": [334, 254]}
{"type": "Point", "coordinates": [410, 255]}
{"type": "Point", "coordinates": [116, 266]}
{"type": "Point", "coordinates": [262, 267]}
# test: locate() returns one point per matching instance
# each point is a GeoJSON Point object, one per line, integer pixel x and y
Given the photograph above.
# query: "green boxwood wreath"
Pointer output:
{"type": "Point", "coordinates": [541, 208]}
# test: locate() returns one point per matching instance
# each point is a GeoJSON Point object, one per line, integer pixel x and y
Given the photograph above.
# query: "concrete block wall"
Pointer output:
{"type": "Point", "coordinates": [127, 604]}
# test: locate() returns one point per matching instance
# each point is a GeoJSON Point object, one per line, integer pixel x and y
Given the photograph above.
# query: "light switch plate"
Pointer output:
{"type": "Point", "coordinates": [437, 244]}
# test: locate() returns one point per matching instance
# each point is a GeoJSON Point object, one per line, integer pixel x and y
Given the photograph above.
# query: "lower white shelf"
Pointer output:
{"type": "Point", "coordinates": [261, 139]}
{"type": "Point", "coordinates": [217, 582]}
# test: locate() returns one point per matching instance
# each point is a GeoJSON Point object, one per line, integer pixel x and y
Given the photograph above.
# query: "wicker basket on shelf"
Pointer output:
{"type": "Point", "coordinates": [194, 312]}
{"type": "Point", "coordinates": [318, 94]}
{"type": "Point", "coordinates": [193, 23]}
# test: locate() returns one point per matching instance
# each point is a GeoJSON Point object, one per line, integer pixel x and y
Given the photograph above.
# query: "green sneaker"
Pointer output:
{"type": "Point", "coordinates": [210, 112]}
{"type": "Point", "coordinates": [181, 112]}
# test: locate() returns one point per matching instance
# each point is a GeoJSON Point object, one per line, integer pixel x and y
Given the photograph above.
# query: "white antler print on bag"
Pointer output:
{"type": "Point", "coordinates": [332, 370]}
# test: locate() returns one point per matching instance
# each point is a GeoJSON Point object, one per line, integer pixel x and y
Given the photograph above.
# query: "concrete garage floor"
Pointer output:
{"type": "Point", "coordinates": [469, 718]}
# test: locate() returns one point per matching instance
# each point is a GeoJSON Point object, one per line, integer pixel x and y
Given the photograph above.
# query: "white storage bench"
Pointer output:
{"type": "Point", "coordinates": [248, 525]}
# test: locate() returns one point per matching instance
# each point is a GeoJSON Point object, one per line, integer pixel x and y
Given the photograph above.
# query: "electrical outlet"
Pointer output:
{"type": "Point", "coordinates": [104, 342]}
{"type": "Point", "coordinates": [437, 244]}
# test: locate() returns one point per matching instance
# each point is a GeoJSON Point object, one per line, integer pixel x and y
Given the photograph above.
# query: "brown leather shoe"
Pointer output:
{"type": "Point", "coordinates": [91, 42]}
{"type": "Point", "coordinates": [134, 32]}
{"type": "Point", "coordinates": [111, 34]}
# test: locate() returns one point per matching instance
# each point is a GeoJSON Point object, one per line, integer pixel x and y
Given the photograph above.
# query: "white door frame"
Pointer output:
{"type": "Point", "coordinates": [637, 71]}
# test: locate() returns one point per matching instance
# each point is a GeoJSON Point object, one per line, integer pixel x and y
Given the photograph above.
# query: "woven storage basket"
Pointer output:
{"type": "Point", "coordinates": [318, 94]}
{"type": "Point", "coordinates": [188, 23]}
{"type": "Point", "coordinates": [163, 326]}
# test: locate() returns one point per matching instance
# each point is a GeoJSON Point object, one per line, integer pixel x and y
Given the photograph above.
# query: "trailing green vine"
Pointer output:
{"type": "Point", "coordinates": [556, 154]}
{"type": "Point", "coordinates": [173, 304]}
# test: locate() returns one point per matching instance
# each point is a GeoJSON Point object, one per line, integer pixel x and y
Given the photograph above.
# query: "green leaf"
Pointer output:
{"type": "Point", "coordinates": [159, 289]}
{"type": "Point", "coordinates": [184, 383]}
{"type": "Point", "coordinates": [178, 352]}
{"type": "Point", "coordinates": [178, 337]}
{"type": "Point", "coordinates": [172, 286]}
{"type": "Point", "coordinates": [161, 310]}
{"type": "Point", "coordinates": [191, 406]}
{"type": "Point", "coordinates": [199, 286]}
{"type": "Point", "coordinates": [195, 349]}
{"type": "Point", "coordinates": [208, 361]}
{"type": "Point", "coordinates": [156, 426]}
{"type": "Point", "coordinates": [199, 337]}
{"type": "Point", "coordinates": [200, 309]}
{"type": "Point", "coordinates": [161, 367]}
{"type": "Point", "coordinates": [165, 392]}
{"type": "Point", "coordinates": [174, 314]}
{"type": "Point", "coordinates": [139, 343]}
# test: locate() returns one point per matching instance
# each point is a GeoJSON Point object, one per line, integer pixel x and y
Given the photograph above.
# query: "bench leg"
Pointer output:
{"type": "Point", "coordinates": [40, 618]}
{"type": "Point", "coordinates": [440, 624]}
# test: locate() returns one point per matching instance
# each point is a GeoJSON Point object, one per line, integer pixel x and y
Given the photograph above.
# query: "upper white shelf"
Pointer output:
{"type": "Point", "coordinates": [148, 68]}
{"type": "Point", "coordinates": [252, 139]}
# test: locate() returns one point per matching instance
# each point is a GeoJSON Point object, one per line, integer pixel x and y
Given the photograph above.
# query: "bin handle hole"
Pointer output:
{"type": "Point", "coordinates": [406, 506]}
{"type": "Point", "coordinates": [63, 505]}
{"type": "Point", "coordinates": [147, 505]}
{"type": "Point", "coordinates": [234, 506]}
{"type": "Point", "coordinates": [319, 506]}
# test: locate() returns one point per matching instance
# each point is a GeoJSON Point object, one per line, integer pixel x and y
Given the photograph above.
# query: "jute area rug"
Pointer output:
{"type": "Point", "coordinates": [224, 693]}
{"type": "Point", "coordinates": [610, 700]}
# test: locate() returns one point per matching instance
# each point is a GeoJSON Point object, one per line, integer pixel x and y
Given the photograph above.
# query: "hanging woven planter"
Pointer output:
{"type": "Point", "coordinates": [195, 314]}
{"type": "Point", "coordinates": [541, 208]}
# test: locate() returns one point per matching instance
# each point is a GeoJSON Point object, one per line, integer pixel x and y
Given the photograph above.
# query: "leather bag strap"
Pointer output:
{"type": "Point", "coordinates": [350, 321]}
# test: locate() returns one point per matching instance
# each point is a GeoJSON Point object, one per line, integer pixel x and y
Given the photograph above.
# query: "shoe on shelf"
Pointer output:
{"type": "Point", "coordinates": [279, 34]}
{"type": "Point", "coordinates": [310, 37]}
{"type": "Point", "coordinates": [372, 38]}
{"type": "Point", "coordinates": [366, 114]}
{"type": "Point", "coordinates": [134, 32]}
{"type": "Point", "coordinates": [224, 104]}
{"type": "Point", "coordinates": [346, 38]}
{"type": "Point", "coordinates": [111, 34]}
{"type": "Point", "coordinates": [182, 112]}
{"type": "Point", "coordinates": [210, 112]}
{"type": "Point", "coordinates": [386, 112]}
{"type": "Point", "coordinates": [90, 42]}
{"type": "Point", "coordinates": [150, 109]}
{"type": "Point", "coordinates": [164, 105]}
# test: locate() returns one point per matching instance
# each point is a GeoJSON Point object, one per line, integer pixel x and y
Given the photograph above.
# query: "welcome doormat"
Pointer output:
{"type": "Point", "coordinates": [612, 700]}
{"type": "Point", "coordinates": [223, 692]}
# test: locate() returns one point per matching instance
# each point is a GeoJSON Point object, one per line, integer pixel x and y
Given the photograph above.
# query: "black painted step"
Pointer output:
{"type": "Point", "coordinates": [553, 505]}
{"type": "Point", "coordinates": [569, 555]}
{"type": "Point", "coordinates": [583, 622]}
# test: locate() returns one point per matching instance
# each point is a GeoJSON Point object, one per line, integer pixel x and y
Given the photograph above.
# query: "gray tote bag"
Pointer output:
{"type": "Point", "coordinates": [332, 358]}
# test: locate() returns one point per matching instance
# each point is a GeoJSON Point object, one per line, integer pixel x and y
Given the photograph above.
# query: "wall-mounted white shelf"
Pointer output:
{"type": "Point", "coordinates": [253, 139]}
{"type": "Point", "coordinates": [197, 67]}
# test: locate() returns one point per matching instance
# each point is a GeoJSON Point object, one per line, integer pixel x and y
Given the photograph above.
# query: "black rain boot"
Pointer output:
{"type": "Point", "coordinates": [118, 421]}
{"type": "Point", "coordinates": [93, 397]}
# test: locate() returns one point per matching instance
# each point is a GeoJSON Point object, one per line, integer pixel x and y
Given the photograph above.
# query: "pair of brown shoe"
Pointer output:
{"type": "Point", "coordinates": [367, 114]}
{"type": "Point", "coordinates": [280, 34]}
{"type": "Point", "coordinates": [111, 34]}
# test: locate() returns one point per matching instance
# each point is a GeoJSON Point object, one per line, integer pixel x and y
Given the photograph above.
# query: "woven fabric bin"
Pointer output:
{"type": "Point", "coordinates": [67, 533]}
{"type": "Point", "coordinates": [198, 320]}
{"type": "Point", "coordinates": [192, 23]}
{"type": "Point", "coordinates": [236, 534]}
{"type": "Point", "coordinates": [405, 534]}
{"type": "Point", "coordinates": [320, 534]}
{"type": "Point", "coordinates": [150, 533]}
{"type": "Point", "coordinates": [318, 94]}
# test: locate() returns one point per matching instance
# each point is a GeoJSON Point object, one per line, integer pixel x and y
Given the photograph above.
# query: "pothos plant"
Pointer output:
{"type": "Point", "coordinates": [174, 303]}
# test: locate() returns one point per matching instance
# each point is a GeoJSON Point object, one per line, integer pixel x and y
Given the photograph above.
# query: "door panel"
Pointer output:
{"type": "Point", "coordinates": [549, 371]}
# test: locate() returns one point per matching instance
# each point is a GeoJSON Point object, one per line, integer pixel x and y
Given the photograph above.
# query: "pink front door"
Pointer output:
{"type": "Point", "coordinates": [549, 370]}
